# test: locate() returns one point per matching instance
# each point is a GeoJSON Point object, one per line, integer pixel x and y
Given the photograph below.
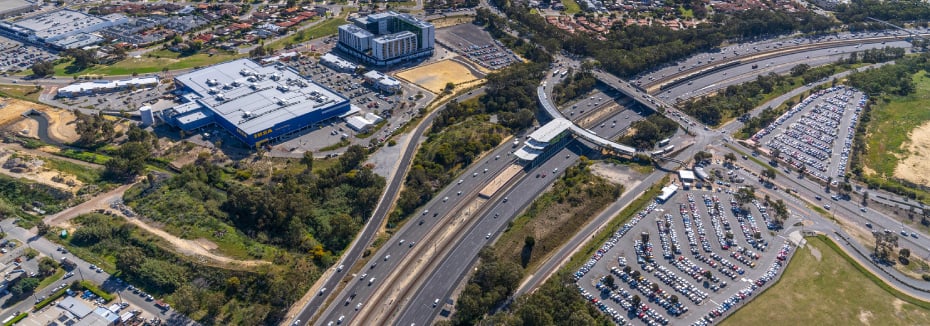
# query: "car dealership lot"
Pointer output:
{"type": "Point", "coordinates": [689, 260]}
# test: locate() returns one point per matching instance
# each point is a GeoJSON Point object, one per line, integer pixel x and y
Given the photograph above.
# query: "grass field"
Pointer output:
{"type": "Point", "coordinates": [81, 172]}
{"type": "Point", "coordinates": [23, 92]}
{"type": "Point", "coordinates": [891, 125]}
{"type": "Point", "coordinates": [829, 290]}
{"type": "Point", "coordinates": [571, 7]}
{"type": "Point", "coordinates": [51, 279]}
{"type": "Point", "coordinates": [555, 216]}
{"type": "Point", "coordinates": [325, 28]}
{"type": "Point", "coordinates": [160, 59]}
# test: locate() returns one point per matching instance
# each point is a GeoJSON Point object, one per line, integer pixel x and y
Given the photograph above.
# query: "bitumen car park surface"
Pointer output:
{"type": "Point", "coordinates": [818, 132]}
{"type": "Point", "coordinates": [684, 237]}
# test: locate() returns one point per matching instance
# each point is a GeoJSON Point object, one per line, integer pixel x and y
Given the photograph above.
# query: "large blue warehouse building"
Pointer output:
{"type": "Point", "coordinates": [255, 103]}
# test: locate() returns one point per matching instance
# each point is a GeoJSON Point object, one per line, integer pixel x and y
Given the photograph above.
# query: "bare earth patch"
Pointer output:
{"type": "Point", "coordinates": [434, 77]}
{"type": "Point", "coordinates": [60, 121]}
{"type": "Point", "coordinates": [40, 174]}
{"type": "Point", "coordinates": [864, 316]}
{"type": "Point", "coordinates": [915, 167]}
{"type": "Point", "coordinates": [26, 127]}
{"type": "Point", "coordinates": [618, 174]}
{"type": "Point", "coordinates": [814, 252]}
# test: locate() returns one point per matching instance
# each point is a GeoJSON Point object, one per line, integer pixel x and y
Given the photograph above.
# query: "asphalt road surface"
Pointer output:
{"type": "Point", "coordinates": [83, 271]}
{"type": "Point", "coordinates": [351, 256]}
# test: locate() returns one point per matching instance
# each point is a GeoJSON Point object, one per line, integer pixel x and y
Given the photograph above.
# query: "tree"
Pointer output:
{"type": "Point", "coordinates": [24, 286]}
{"type": "Point", "coordinates": [865, 198]}
{"type": "Point", "coordinates": [43, 228]}
{"type": "Point", "coordinates": [43, 68]}
{"type": "Point", "coordinates": [47, 266]}
{"type": "Point", "coordinates": [307, 160]}
{"type": "Point", "coordinates": [30, 253]}
{"type": "Point", "coordinates": [730, 157]}
{"type": "Point", "coordinates": [82, 58]}
{"type": "Point", "coordinates": [449, 87]}
{"type": "Point", "coordinates": [904, 252]}
{"type": "Point", "coordinates": [610, 282]}
{"type": "Point", "coordinates": [530, 241]}
{"type": "Point", "coordinates": [128, 162]}
{"type": "Point", "coordinates": [799, 70]}
{"type": "Point", "coordinates": [745, 195]}
{"type": "Point", "coordinates": [769, 173]}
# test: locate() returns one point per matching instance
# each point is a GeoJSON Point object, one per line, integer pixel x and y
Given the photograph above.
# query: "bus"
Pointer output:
{"type": "Point", "coordinates": [664, 142]}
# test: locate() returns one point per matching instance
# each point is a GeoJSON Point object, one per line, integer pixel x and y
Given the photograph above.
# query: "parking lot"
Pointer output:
{"type": "Point", "coordinates": [396, 109]}
{"type": "Point", "coordinates": [472, 42]}
{"type": "Point", "coordinates": [16, 56]}
{"type": "Point", "coordinates": [817, 133]}
{"type": "Point", "coordinates": [690, 260]}
{"type": "Point", "coordinates": [119, 101]}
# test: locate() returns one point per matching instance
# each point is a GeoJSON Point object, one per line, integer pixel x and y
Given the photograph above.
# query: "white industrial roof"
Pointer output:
{"type": "Point", "coordinates": [75, 306]}
{"type": "Point", "coordinates": [527, 153]}
{"type": "Point", "coordinates": [550, 130]}
{"type": "Point", "coordinates": [108, 84]}
{"type": "Point", "coordinates": [254, 97]}
{"type": "Point", "coordinates": [685, 174]}
{"type": "Point", "coordinates": [382, 78]}
{"type": "Point", "coordinates": [357, 123]}
{"type": "Point", "coordinates": [339, 62]}
{"type": "Point", "coordinates": [667, 192]}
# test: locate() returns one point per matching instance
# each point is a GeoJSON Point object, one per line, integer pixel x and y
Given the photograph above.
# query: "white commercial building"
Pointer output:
{"type": "Point", "coordinates": [339, 64]}
{"type": "Point", "coordinates": [387, 38]}
{"type": "Point", "coordinates": [394, 45]}
{"type": "Point", "coordinates": [363, 123]}
{"type": "Point", "coordinates": [667, 192]}
{"type": "Point", "coordinates": [382, 82]}
{"type": "Point", "coordinates": [540, 141]}
{"type": "Point", "coordinates": [106, 86]}
{"type": "Point", "coordinates": [65, 29]}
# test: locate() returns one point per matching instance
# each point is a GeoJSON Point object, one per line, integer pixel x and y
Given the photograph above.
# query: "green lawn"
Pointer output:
{"type": "Point", "coordinates": [571, 7]}
{"type": "Point", "coordinates": [159, 60]}
{"type": "Point", "coordinates": [892, 122]}
{"type": "Point", "coordinates": [51, 279]}
{"type": "Point", "coordinates": [83, 173]}
{"type": "Point", "coordinates": [829, 291]}
{"type": "Point", "coordinates": [322, 29]}
{"type": "Point", "coordinates": [686, 13]}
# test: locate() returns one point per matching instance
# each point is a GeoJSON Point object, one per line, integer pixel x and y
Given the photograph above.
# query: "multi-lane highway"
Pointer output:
{"type": "Point", "coordinates": [330, 280]}
{"type": "Point", "coordinates": [420, 274]}
{"type": "Point", "coordinates": [444, 216]}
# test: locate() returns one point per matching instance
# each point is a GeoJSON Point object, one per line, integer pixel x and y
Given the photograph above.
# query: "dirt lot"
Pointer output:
{"type": "Point", "coordinates": [451, 21]}
{"type": "Point", "coordinates": [41, 174]}
{"type": "Point", "coordinates": [61, 122]}
{"type": "Point", "coordinates": [434, 76]}
{"type": "Point", "coordinates": [915, 167]}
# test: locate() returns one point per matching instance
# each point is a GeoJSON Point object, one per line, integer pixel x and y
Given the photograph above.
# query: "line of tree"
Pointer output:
{"type": "Point", "coordinates": [43, 68]}
{"type": "Point", "coordinates": [855, 13]}
{"type": "Point", "coordinates": [649, 131]}
{"type": "Point", "coordinates": [577, 84]}
{"type": "Point", "coordinates": [629, 50]}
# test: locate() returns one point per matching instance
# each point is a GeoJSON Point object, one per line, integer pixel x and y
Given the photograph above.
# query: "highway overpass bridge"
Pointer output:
{"type": "Point", "coordinates": [554, 113]}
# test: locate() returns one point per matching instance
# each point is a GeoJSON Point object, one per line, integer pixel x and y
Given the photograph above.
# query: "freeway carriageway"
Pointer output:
{"type": "Point", "coordinates": [688, 74]}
